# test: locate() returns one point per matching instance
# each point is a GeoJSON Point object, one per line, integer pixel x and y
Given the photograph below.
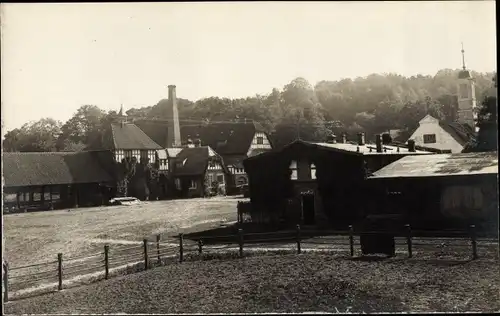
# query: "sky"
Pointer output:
{"type": "Point", "coordinates": [57, 57]}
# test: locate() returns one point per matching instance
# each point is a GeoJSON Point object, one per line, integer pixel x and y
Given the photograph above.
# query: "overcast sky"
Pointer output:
{"type": "Point", "coordinates": [57, 57]}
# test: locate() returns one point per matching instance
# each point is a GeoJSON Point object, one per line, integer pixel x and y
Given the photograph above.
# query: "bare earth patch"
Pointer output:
{"type": "Point", "coordinates": [286, 283]}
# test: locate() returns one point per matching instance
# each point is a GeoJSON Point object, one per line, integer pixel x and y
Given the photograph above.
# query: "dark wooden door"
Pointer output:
{"type": "Point", "coordinates": [308, 209]}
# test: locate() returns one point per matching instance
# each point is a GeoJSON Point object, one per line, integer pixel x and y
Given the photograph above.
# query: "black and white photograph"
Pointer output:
{"type": "Point", "coordinates": [249, 157]}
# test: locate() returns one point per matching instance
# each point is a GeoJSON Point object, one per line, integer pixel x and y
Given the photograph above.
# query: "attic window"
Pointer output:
{"type": "Point", "coordinates": [429, 138]}
{"type": "Point", "coordinates": [293, 169]}
{"type": "Point", "coordinates": [260, 140]}
{"type": "Point", "coordinates": [313, 171]}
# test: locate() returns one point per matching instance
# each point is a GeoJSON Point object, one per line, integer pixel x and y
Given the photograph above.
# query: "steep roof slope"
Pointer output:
{"type": "Point", "coordinates": [46, 168]}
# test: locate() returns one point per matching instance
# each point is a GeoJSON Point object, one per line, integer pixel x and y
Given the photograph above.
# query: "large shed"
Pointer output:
{"type": "Point", "coordinates": [440, 190]}
{"type": "Point", "coordinates": [37, 179]}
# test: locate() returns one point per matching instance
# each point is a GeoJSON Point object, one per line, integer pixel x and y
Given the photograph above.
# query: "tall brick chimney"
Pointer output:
{"type": "Point", "coordinates": [174, 129]}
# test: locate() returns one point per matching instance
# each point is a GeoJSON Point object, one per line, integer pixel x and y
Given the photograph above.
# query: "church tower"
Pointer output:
{"type": "Point", "coordinates": [466, 96]}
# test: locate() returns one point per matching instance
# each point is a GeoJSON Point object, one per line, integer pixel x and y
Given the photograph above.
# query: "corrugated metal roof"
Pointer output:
{"type": "Point", "coordinates": [370, 149]}
{"type": "Point", "coordinates": [440, 165]}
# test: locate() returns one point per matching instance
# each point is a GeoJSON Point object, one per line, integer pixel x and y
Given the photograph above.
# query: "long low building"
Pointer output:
{"type": "Point", "coordinates": [439, 190]}
{"type": "Point", "coordinates": [57, 179]}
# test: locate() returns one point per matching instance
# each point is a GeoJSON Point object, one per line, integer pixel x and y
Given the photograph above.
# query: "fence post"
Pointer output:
{"type": "Point", "coordinates": [6, 282]}
{"type": "Point", "coordinates": [298, 238]}
{"type": "Point", "coordinates": [145, 241]}
{"type": "Point", "coordinates": [181, 247]}
{"type": "Point", "coordinates": [158, 237]}
{"type": "Point", "coordinates": [408, 240]}
{"type": "Point", "coordinates": [351, 239]}
{"type": "Point", "coordinates": [240, 241]}
{"type": "Point", "coordinates": [106, 261]}
{"type": "Point", "coordinates": [59, 270]}
{"type": "Point", "coordinates": [474, 241]}
{"type": "Point", "coordinates": [200, 246]}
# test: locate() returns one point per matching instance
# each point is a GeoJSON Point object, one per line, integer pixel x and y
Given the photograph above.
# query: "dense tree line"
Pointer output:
{"type": "Point", "coordinates": [373, 104]}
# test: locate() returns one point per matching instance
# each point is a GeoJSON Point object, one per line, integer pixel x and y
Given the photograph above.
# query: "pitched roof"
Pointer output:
{"type": "Point", "coordinates": [194, 161]}
{"type": "Point", "coordinates": [462, 133]}
{"type": "Point", "coordinates": [224, 138]}
{"type": "Point", "coordinates": [235, 161]}
{"type": "Point", "coordinates": [173, 152]}
{"type": "Point", "coordinates": [130, 136]}
{"type": "Point", "coordinates": [440, 165]}
{"type": "Point", "coordinates": [45, 168]}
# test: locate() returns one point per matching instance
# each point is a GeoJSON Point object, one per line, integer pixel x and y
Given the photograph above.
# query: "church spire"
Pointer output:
{"type": "Point", "coordinates": [463, 57]}
{"type": "Point", "coordinates": [121, 110]}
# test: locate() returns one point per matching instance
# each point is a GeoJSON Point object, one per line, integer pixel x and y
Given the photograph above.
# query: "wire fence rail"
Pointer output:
{"type": "Point", "coordinates": [159, 252]}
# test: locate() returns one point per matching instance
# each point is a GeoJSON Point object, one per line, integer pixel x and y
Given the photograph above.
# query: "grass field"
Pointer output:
{"type": "Point", "coordinates": [38, 237]}
{"type": "Point", "coordinates": [286, 283]}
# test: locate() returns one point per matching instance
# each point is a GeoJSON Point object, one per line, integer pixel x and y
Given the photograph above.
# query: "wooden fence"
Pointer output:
{"type": "Point", "coordinates": [158, 252]}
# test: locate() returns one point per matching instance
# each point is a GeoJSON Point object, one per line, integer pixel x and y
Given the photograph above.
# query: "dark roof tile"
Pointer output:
{"type": "Point", "coordinates": [50, 168]}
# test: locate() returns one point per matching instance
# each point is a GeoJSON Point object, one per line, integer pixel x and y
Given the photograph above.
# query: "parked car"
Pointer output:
{"type": "Point", "coordinates": [128, 200]}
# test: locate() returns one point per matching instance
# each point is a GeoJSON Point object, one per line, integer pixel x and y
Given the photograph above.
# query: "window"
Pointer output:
{"type": "Point", "coordinates": [429, 138]}
{"type": "Point", "coordinates": [464, 91]}
{"type": "Point", "coordinates": [293, 168]}
{"type": "Point", "coordinates": [46, 195]}
{"type": "Point", "coordinates": [210, 179]}
{"type": "Point", "coordinates": [193, 184]}
{"type": "Point", "coordinates": [37, 195]}
{"type": "Point", "coordinates": [137, 154]}
{"type": "Point", "coordinates": [260, 140]}
{"type": "Point", "coordinates": [128, 153]}
{"type": "Point", "coordinates": [119, 155]}
{"type": "Point", "coordinates": [220, 178]}
{"type": "Point", "coordinates": [313, 171]}
{"type": "Point", "coordinates": [178, 183]}
{"type": "Point", "coordinates": [152, 156]}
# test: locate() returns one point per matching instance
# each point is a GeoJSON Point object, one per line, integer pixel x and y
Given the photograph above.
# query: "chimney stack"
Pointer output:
{"type": "Point", "coordinates": [411, 145]}
{"type": "Point", "coordinates": [386, 139]}
{"type": "Point", "coordinates": [344, 138]}
{"type": "Point", "coordinates": [378, 142]}
{"type": "Point", "coordinates": [331, 139]}
{"type": "Point", "coordinates": [361, 138]}
{"type": "Point", "coordinates": [197, 141]}
{"type": "Point", "coordinates": [174, 129]}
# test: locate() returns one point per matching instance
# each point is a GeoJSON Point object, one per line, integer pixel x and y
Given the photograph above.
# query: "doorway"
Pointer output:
{"type": "Point", "coordinates": [308, 209]}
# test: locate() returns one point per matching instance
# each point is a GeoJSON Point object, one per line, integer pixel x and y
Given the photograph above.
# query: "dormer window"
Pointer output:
{"type": "Point", "coordinates": [313, 171]}
{"type": "Point", "coordinates": [293, 169]}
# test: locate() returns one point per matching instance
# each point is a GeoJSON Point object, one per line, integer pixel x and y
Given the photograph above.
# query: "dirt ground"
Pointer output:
{"type": "Point", "coordinates": [38, 237]}
{"type": "Point", "coordinates": [309, 282]}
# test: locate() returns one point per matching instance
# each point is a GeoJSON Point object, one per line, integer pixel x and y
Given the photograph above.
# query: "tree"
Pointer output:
{"type": "Point", "coordinates": [83, 126]}
{"type": "Point", "coordinates": [488, 127]}
{"type": "Point", "coordinates": [39, 135]}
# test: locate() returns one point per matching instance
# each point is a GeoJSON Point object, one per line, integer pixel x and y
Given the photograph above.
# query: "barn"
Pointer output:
{"type": "Point", "coordinates": [42, 180]}
{"type": "Point", "coordinates": [318, 184]}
